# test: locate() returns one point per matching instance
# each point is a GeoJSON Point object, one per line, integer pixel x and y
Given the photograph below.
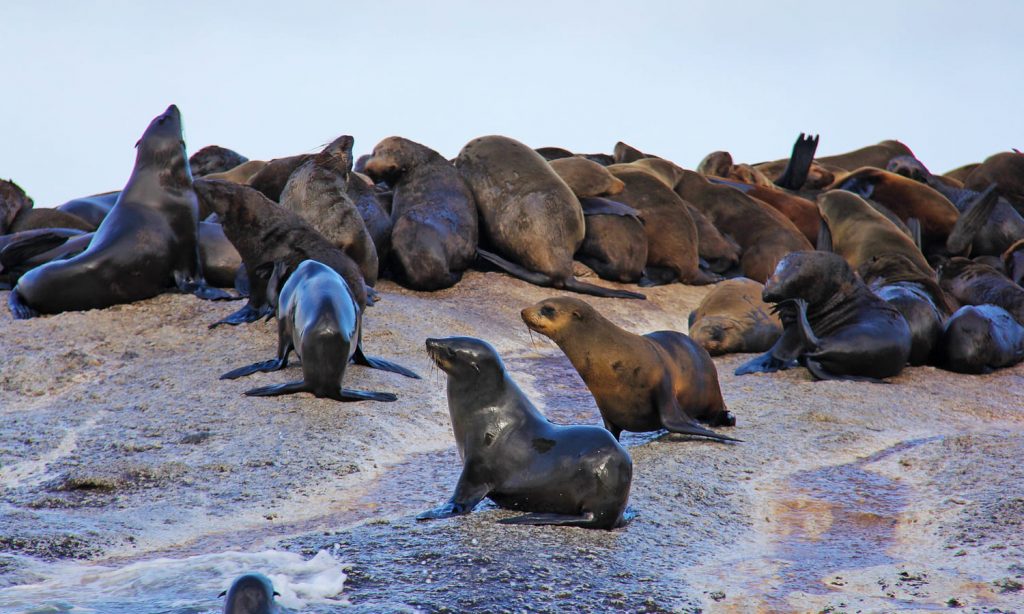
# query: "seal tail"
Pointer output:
{"type": "Point", "coordinates": [959, 241]}
{"type": "Point", "coordinates": [19, 309]}
{"type": "Point", "coordinates": [540, 279]}
{"type": "Point", "coordinates": [266, 366]}
{"type": "Point", "coordinates": [360, 358]}
{"type": "Point", "coordinates": [799, 165]}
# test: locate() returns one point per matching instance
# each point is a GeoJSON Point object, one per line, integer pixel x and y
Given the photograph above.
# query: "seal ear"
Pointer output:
{"type": "Point", "coordinates": [576, 314]}
{"type": "Point", "coordinates": [222, 593]}
{"type": "Point", "coordinates": [277, 594]}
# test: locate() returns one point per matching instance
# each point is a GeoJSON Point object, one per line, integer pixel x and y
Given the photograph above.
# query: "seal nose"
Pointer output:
{"type": "Point", "coordinates": [434, 344]}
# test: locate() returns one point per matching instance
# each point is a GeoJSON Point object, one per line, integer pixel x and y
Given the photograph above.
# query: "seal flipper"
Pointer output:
{"type": "Point", "coordinates": [584, 288]}
{"type": "Point", "coordinates": [820, 372]}
{"type": "Point", "coordinates": [824, 237]}
{"type": "Point", "coordinates": [564, 520]}
{"type": "Point", "coordinates": [958, 243]}
{"type": "Point", "coordinates": [468, 493]}
{"type": "Point", "coordinates": [19, 309]}
{"type": "Point", "coordinates": [267, 366]}
{"type": "Point", "coordinates": [348, 394]}
{"type": "Point", "coordinates": [656, 276]}
{"type": "Point", "coordinates": [782, 356]}
{"type": "Point", "coordinates": [199, 288]}
{"type": "Point", "coordinates": [805, 333]}
{"type": "Point", "coordinates": [540, 279]}
{"type": "Point", "coordinates": [19, 251]}
{"type": "Point", "coordinates": [607, 206]}
{"type": "Point", "coordinates": [245, 315]}
{"type": "Point", "coordinates": [279, 389]}
{"type": "Point", "coordinates": [914, 226]}
{"type": "Point", "coordinates": [360, 358]}
{"type": "Point", "coordinates": [799, 166]}
{"type": "Point", "coordinates": [676, 420]}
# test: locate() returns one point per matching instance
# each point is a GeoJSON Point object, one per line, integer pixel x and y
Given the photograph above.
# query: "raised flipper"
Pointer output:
{"type": "Point", "coordinates": [958, 243]}
{"type": "Point", "coordinates": [562, 520]}
{"type": "Point", "coordinates": [606, 206]}
{"type": "Point", "coordinates": [267, 366]}
{"type": "Point", "coordinates": [824, 237]}
{"type": "Point", "coordinates": [245, 315]}
{"type": "Point", "coordinates": [19, 309]}
{"type": "Point", "coordinates": [540, 279]}
{"type": "Point", "coordinates": [799, 165]}
{"type": "Point", "coordinates": [468, 493]}
{"type": "Point", "coordinates": [360, 358]}
{"type": "Point", "coordinates": [676, 420]}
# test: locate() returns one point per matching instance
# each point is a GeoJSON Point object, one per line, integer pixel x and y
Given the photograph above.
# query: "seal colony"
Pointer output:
{"type": "Point", "coordinates": [910, 268]}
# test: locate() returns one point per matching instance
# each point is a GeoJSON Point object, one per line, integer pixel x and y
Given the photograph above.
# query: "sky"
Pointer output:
{"type": "Point", "coordinates": [81, 80]}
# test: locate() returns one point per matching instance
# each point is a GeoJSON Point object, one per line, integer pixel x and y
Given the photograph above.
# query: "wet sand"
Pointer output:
{"type": "Point", "coordinates": [119, 444]}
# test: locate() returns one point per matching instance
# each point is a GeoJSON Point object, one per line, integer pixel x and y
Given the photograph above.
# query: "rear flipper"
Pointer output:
{"type": "Point", "coordinates": [278, 389]}
{"type": "Point", "coordinates": [190, 285]}
{"type": "Point", "coordinates": [821, 373]}
{"type": "Point", "coordinates": [266, 366]}
{"type": "Point", "coordinates": [765, 363]}
{"type": "Point", "coordinates": [348, 394]}
{"type": "Point", "coordinates": [540, 279]}
{"type": "Point", "coordinates": [676, 420]}
{"type": "Point", "coordinates": [590, 289]}
{"type": "Point", "coordinates": [799, 165]}
{"type": "Point", "coordinates": [564, 520]}
{"type": "Point", "coordinates": [969, 223]}
{"type": "Point", "coordinates": [360, 358]}
{"type": "Point", "coordinates": [657, 276]}
{"type": "Point", "coordinates": [245, 315]}
{"type": "Point", "coordinates": [702, 278]}
{"type": "Point", "coordinates": [18, 308]}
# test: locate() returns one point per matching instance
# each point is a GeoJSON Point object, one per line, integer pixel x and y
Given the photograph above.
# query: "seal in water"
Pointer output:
{"type": "Point", "coordinates": [662, 380]}
{"type": "Point", "coordinates": [147, 242]}
{"type": "Point", "coordinates": [563, 475]}
{"type": "Point", "coordinates": [982, 338]}
{"type": "Point", "coordinates": [832, 323]}
{"type": "Point", "coordinates": [733, 318]}
{"type": "Point", "coordinates": [319, 318]}
{"type": "Point", "coordinates": [252, 593]}
{"type": "Point", "coordinates": [528, 213]}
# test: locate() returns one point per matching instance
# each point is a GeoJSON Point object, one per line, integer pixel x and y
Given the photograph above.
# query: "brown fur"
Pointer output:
{"type": "Point", "coordinates": [734, 318]}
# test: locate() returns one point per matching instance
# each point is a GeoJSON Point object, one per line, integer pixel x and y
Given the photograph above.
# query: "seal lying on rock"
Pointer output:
{"type": "Point", "coordinates": [733, 318]}
{"type": "Point", "coordinates": [980, 339]}
{"type": "Point", "coordinates": [564, 475]}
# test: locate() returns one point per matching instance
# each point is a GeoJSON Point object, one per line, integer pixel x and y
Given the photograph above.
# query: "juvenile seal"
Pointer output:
{"type": "Point", "coordinates": [435, 231]}
{"type": "Point", "coordinates": [252, 593]}
{"type": "Point", "coordinates": [982, 338]}
{"type": "Point", "coordinates": [147, 242]}
{"type": "Point", "coordinates": [318, 318]}
{"type": "Point", "coordinates": [214, 159]}
{"type": "Point", "coordinates": [563, 475]}
{"type": "Point", "coordinates": [832, 324]}
{"type": "Point", "coordinates": [528, 214]}
{"type": "Point", "coordinates": [974, 283]}
{"type": "Point", "coordinates": [662, 380]}
{"type": "Point", "coordinates": [733, 318]}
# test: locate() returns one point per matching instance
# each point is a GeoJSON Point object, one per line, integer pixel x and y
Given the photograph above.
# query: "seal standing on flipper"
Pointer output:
{"type": "Point", "coordinates": [979, 339]}
{"type": "Point", "coordinates": [146, 243]}
{"type": "Point", "coordinates": [734, 318]}
{"type": "Point", "coordinates": [319, 318]}
{"type": "Point", "coordinates": [252, 593]}
{"type": "Point", "coordinates": [662, 380]}
{"type": "Point", "coordinates": [435, 231]}
{"type": "Point", "coordinates": [564, 475]}
{"type": "Point", "coordinates": [832, 323]}
{"type": "Point", "coordinates": [528, 214]}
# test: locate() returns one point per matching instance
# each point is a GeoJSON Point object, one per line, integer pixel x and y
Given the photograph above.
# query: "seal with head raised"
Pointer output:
{"type": "Point", "coordinates": [563, 475]}
{"type": "Point", "coordinates": [317, 317]}
{"type": "Point", "coordinates": [148, 241]}
{"type": "Point", "coordinates": [662, 380]}
{"type": "Point", "coordinates": [251, 593]}
{"type": "Point", "coordinates": [527, 213]}
{"type": "Point", "coordinates": [832, 323]}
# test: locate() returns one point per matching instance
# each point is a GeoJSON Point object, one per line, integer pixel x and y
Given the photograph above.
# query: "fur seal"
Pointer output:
{"type": "Point", "coordinates": [832, 323]}
{"type": "Point", "coordinates": [214, 159]}
{"type": "Point", "coordinates": [317, 317]}
{"type": "Point", "coordinates": [271, 179]}
{"type": "Point", "coordinates": [563, 475]}
{"type": "Point", "coordinates": [528, 214]}
{"type": "Point", "coordinates": [585, 178]}
{"type": "Point", "coordinates": [12, 200]}
{"type": "Point", "coordinates": [436, 230]}
{"type": "Point", "coordinates": [720, 164]}
{"type": "Point", "coordinates": [243, 173]}
{"type": "Point", "coordinates": [92, 209]}
{"type": "Point", "coordinates": [876, 156]}
{"type": "Point", "coordinates": [624, 154]}
{"type": "Point", "coordinates": [982, 338]}
{"type": "Point", "coordinates": [974, 283]}
{"type": "Point", "coordinates": [764, 234]}
{"type": "Point", "coordinates": [147, 242]}
{"type": "Point", "coordinates": [1006, 170]}
{"type": "Point", "coordinates": [732, 318]}
{"type": "Point", "coordinates": [554, 153]}
{"type": "Point", "coordinates": [252, 593]}
{"type": "Point", "coordinates": [615, 245]}
{"type": "Point", "coordinates": [797, 209]}
{"type": "Point", "coordinates": [672, 242]}
{"type": "Point", "coordinates": [318, 191]}
{"type": "Point", "coordinates": [662, 380]}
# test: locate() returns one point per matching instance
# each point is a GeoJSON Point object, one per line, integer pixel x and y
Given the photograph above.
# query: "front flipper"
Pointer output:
{"type": "Point", "coordinates": [19, 309]}
{"type": "Point", "coordinates": [563, 520]}
{"type": "Point", "coordinates": [245, 315]}
{"type": "Point", "coordinates": [676, 420]}
{"type": "Point", "coordinates": [278, 389]}
{"type": "Point", "coordinates": [266, 366]}
{"type": "Point", "coordinates": [805, 333]}
{"type": "Point", "coordinates": [360, 358]}
{"type": "Point", "coordinates": [799, 165]}
{"type": "Point", "coordinates": [468, 493]}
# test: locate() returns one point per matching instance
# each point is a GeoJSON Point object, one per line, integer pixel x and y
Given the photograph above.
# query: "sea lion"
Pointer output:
{"type": "Point", "coordinates": [585, 178]}
{"type": "Point", "coordinates": [732, 318]}
{"type": "Point", "coordinates": [318, 191]}
{"type": "Point", "coordinates": [563, 475]}
{"type": "Point", "coordinates": [661, 380]}
{"type": "Point", "coordinates": [764, 234]}
{"type": "Point", "coordinates": [214, 159]}
{"type": "Point", "coordinates": [973, 283]}
{"type": "Point", "coordinates": [252, 593]}
{"type": "Point", "coordinates": [832, 323]}
{"type": "Point", "coordinates": [436, 230]}
{"type": "Point", "coordinates": [272, 178]}
{"type": "Point", "coordinates": [317, 317]}
{"type": "Point", "coordinates": [147, 242]}
{"type": "Point", "coordinates": [855, 231]}
{"type": "Point", "coordinates": [672, 241]}
{"type": "Point", "coordinates": [982, 338]}
{"type": "Point", "coordinates": [615, 245]}
{"type": "Point", "coordinates": [528, 214]}
{"type": "Point", "coordinates": [12, 200]}
{"type": "Point", "coordinates": [1006, 170]}
{"type": "Point", "coordinates": [92, 209]}
{"type": "Point", "coordinates": [23, 251]}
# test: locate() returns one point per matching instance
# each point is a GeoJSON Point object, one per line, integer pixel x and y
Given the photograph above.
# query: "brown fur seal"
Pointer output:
{"type": "Point", "coordinates": [615, 245]}
{"type": "Point", "coordinates": [318, 191]}
{"type": "Point", "coordinates": [563, 475]}
{"type": "Point", "coordinates": [672, 241]}
{"type": "Point", "coordinates": [585, 178]}
{"type": "Point", "coordinates": [32, 219]}
{"type": "Point", "coordinates": [377, 218]}
{"type": "Point", "coordinates": [1006, 170]}
{"type": "Point", "coordinates": [732, 318]}
{"type": "Point", "coordinates": [857, 232]}
{"type": "Point", "coordinates": [12, 200]}
{"type": "Point", "coordinates": [973, 283]}
{"type": "Point", "coordinates": [662, 380]}
{"type": "Point", "coordinates": [801, 211]}
{"type": "Point", "coordinates": [243, 173]}
{"type": "Point", "coordinates": [554, 153]}
{"type": "Point", "coordinates": [764, 234]}
{"type": "Point", "coordinates": [527, 213]}
{"type": "Point", "coordinates": [982, 338]}
{"type": "Point", "coordinates": [272, 178]}
{"type": "Point", "coordinates": [435, 231]}
{"type": "Point", "coordinates": [624, 154]}
{"type": "Point", "coordinates": [147, 243]}
{"type": "Point", "coordinates": [877, 156]}
{"type": "Point", "coordinates": [214, 159]}
{"type": "Point", "coordinates": [961, 173]}
{"type": "Point", "coordinates": [832, 323]}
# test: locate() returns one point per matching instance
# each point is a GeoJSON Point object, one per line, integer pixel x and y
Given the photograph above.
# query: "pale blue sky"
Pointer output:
{"type": "Point", "coordinates": [81, 80]}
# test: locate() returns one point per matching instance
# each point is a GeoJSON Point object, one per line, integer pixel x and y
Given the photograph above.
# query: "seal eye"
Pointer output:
{"type": "Point", "coordinates": [547, 311]}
